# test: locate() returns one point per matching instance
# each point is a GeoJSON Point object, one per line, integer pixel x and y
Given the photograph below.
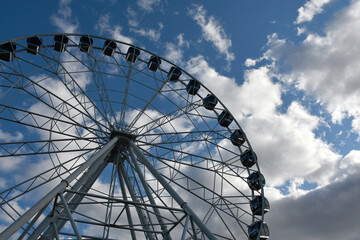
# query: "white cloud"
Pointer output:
{"type": "Point", "coordinates": [132, 18]}
{"type": "Point", "coordinates": [63, 18]}
{"type": "Point", "coordinates": [351, 162]}
{"type": "Point", "coordinates": [104, 26]}
{"type": "Point", "coordinates": [8, 137]}
{"type": "Point", "coordinates": [290, 155]}
{"type": "Point", "coordinates": [327, 67]}
{"type": "Point", "coordinates": [148, 5]}
{"type": "Point", "coordinates": [212, 31]}
{"type": "Point", "coordinates": [182, 41]}
{"type": "Point", "coordinates": [3, 183]}
{"type": "Point", "coordinates": [310, 9]}
{"type": "Point", "coordinates": [173, 53]}
{"type": "Point", "coordinates": [152, 34]}
{"type": "Point", "coordinates": [232, 94]}
{"type": "Point", "coordinates": [10, 163]}
{"type": "Point", "coordinates": [133, 21]}
{"type": "Point", "coordinates": [284, 142]}
{"type": "Point", "coordinates": [300, 30]}
{"type": "Point", "coordinates": [250, 62]}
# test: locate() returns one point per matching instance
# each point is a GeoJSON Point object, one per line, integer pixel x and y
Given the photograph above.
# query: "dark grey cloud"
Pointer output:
{"type": "Point", "coordinates": [331, 212]}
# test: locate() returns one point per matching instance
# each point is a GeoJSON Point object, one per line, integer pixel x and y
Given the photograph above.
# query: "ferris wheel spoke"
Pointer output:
{"type": "Point", "coordinates": [165, 149]}
{"type": "Point", "coordinates": [15, 112]}
{"type": "Point", "coordinates": [16, 149]}
{"type": "Point", "coordinates": [179, 138]}
{"type": "Point", "coordinates": [194, 134]}
{"type": "Point", "coordinates": [102, 90]}
{"type": "Point", "coordinates": [76, 87]}
{"type": "Point", "coordinates": [186, 136]}
{"type": "Point", "coordinates": [141, 196]}
{"type": "Point", "coordinates": [7, 212]}
{"type": "Point", "coordinates": [40, 179]}
{"type": "Point", "coordinates": [39, 121]}
{"type": "Point", "coordinates": [126, 90]}
{"type": "Point", "coordinates": [157, 193]}
{"type": "Point", "coordinates": [134, 197]}
{"type": "Point", "coordinates": [100, 85]}
{"type": "Point", "coordinates": [165, 119]}
{"type": "Point", "coordinates": [50, 103]}
{"type": "Point", "coordinates": [9, 89]}
{"type": "Point", "coordinates": [20, 76]}
{"type": "Point", "coordinates": [185, 111]}
{"type": "Point", "coordinates": [55, 72]}
{"type": "Point", "coordinates": [196, 161]}
{"type": "Point", "coordinates": [136, 170]}
{"type": "Point", "coordinates": [167, 162]}
{"type": "Point", "coordinates": [125, 98]}
{"type": "Point", "coordinates": [224, 222]}
{"type": "Point", "coordinates": [213, 164]}
{"type": "Point", "coordinates": [117, 64]}
{"type": "Point", "coordinates": [141, 112]}
{"type": "Point", "coordinates": [194, 191]}
{"type": "Point", "coordinates": [38, 69]}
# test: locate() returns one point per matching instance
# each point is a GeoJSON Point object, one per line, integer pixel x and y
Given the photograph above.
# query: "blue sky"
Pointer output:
{"type": "Point", "coordinates": [287, 70]}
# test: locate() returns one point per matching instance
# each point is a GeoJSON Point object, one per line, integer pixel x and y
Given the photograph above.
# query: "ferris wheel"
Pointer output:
{"type": "Point", "coordinates": [100, 139]}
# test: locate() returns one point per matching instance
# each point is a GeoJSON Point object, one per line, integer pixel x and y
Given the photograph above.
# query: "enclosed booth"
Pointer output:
{"type": "Point", "coordinates": [248, 158]}
{"type": "Point", "coordinates": [60, 43]}
{"type": "Point", "coordinates": [86, 43]}
{"type": "Point", "coordinates": [237, 138]}
{"type": "Point", "coordinates": [109, 48]}
{"type": "Point", "coordinates": [174, 74]}
{"type": "Point", "coordinates": [210, 102]}
{"type": "Point", "coordinates": [255, 181]}
{"type": "Point", "coordinates": [256, 205]}
{"type": "Point", "coordinates": [225, 119]}
{"type": "Point", "coordinates": [260, 229]}
{"type": "Point", "coordinates": [193, 87]}
{"type": "Point", "coordinates": [34, 45]}
{"type": "Point", "coordinates": [132, 54]}
{"type": "Point", "coordinates": [154, 63]}
{"type": "Point", "coordinates": [7, 51]}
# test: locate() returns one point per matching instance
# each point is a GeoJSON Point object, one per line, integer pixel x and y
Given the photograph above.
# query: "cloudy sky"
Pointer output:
{"type": "Point", "coordinates": [289, 71]}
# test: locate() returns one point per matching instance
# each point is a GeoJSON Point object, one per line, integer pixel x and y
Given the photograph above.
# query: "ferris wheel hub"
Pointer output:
{"type": "Point", "coordinates": [124, 136]}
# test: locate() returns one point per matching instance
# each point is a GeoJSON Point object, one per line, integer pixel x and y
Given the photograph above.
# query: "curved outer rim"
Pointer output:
{"type": "Point", "coordinates": [169, 62]}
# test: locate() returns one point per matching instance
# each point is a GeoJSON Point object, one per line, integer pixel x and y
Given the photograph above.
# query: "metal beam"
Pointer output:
{"type": "Point", "coordinates": [171, 191]}
{"type": "Point", "coordinates": [185, 227]}
{"type": "Point", "coordinates": [29, 226]}
{"type": "Point", "coordinates": [71, 219]}
{"type": "Point", "coordinates": [166, 234]}
{"type": "Point", "coordinates": [127, 209]}
{"type": "Point", "coordinates": [144, 222]}
{"type": "Point", "coordinates": [100, 155]}
{"type": "Point", "coordinates": [94, 170]}
{"type": "Point", "coordinates": [83, 185]}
